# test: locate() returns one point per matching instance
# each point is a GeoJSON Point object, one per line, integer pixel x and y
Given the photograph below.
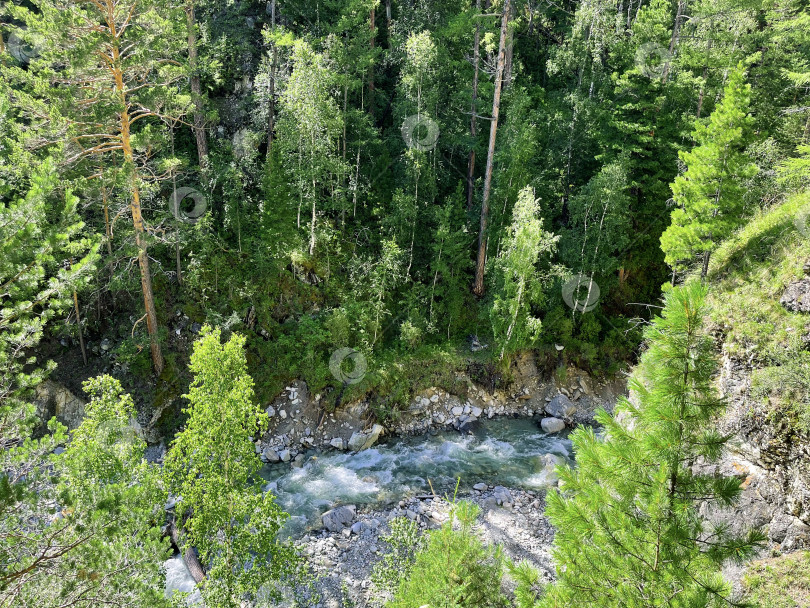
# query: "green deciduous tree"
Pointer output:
{"type": "Point", "coordinates": [112, 505]}
{"type": "Point", "coordinates": [308, 130]}
{"type": "Point", "coordinates": [212, 466]}
{"type": "Point", "coordinates": [520, 274]}
{"type": "Point", "coordinates": [709, 194]}
{"type": "Point", "coordinates": [629, 531]}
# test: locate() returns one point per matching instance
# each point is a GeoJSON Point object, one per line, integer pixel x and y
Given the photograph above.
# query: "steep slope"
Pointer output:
{"type": "Point", "coordinates": [759, 280]}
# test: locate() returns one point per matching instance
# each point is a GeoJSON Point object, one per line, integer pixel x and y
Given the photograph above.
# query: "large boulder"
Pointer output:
{"type": "Point", "coordinates": [362, 441]}
{"type": "Point", "coordinates": [54, 399]}
{"type": "Point", "coordinates": [552, 425]}
{"type": "Point", "coordinates": [561, 407]}
{"type": "Point", "coordinates": [338, 518]}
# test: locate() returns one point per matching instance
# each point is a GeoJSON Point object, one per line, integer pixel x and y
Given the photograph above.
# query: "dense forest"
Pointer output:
{"type": "Point", "coordinates": [203, 201]}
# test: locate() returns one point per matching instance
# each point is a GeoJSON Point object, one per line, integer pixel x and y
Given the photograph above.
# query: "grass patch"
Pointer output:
{"type": "Point", "coordinates": [748, 275]}
{"type": "Point", "coordinates": [779, 582]}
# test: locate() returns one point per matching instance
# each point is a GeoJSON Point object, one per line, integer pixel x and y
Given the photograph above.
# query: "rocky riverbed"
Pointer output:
{"type": "Point", "coordinates": [342, 555]}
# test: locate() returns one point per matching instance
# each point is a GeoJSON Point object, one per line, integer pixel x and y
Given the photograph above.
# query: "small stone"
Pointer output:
{"type": "Point", "coordinates": [285, 455]}
{"type": "Point", "coordinates": [457, 411]}
{"type": "Point", "coordinates": [337, 443]}
{"type": "Point", "coordinates": [271, 455]}
{"type": "Point", "coordinates": [270, 411]}
{"type": "Point", "coordinates": [481, 487]}
{"type": "Point", "coordinates": [434, 398]}
{"type": "Point", "coordinates": [283, 414]}
{"type": "Point", "coordinates": [476, 411]}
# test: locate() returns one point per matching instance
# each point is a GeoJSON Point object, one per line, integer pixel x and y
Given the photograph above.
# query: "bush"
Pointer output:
{"type": "Point", "coordinates": [454, 569]}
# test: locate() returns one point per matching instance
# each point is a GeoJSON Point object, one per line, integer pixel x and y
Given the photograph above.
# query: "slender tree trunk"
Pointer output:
{"type": "Point", "coordinates": [135, 209]}
{"type": "Point", "coordinates": [271, 122]}
{"type": "Point", "coordinates": [473, 118]}
{"type": "Point", "coordinates": [514, 318]}
{"type": "Point", "coordinates": [478, 287]}
{"type": "Point", "coordinates": [107, 228]}
{"type": "Point", "coordinates": [373, 44]}
{"type": "Point", "coordinates": [705, 269]}
{"type": "Point", "coordinates": [196, 90]}
{"type": "Point", "coordinates": [79, 326]}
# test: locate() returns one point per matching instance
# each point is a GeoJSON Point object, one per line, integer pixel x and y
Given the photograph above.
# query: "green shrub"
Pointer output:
{"type": "Point", "coordinates": [454, 569]}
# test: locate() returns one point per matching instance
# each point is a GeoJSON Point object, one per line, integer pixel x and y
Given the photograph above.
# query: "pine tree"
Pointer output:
{"type": "Point", "coordinates": [105, 69]}
{"type": "Point", "coordinates": [212, 465]}
{"type": "Point", "coordinates": [628, 528]}
{"type": "Point", "coordinates": [709, 194]}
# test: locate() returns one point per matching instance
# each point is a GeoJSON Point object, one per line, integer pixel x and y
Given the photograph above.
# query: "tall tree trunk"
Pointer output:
{"type": "Point", "coordinates": [271, 122]}
{"type": "Point", "coordinates": [196, 90]}
{"type": "Point", "coordinates": [478, 287]}
{"type": "Point", "coordinates": [510, 48]}
{"type": "Point", "coordinates": [373, 29]}
{"type": "Point", "coordinates": [135, 209]}
{"type": "Point", "coordinates": [473, 118]}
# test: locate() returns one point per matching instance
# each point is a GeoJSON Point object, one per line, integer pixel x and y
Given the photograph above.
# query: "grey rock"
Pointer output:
{"type": "Point", "coordinates": [285, 455]}
{"type": "Point", "coordinates": [561, 407]}
{"type": "Point", "coordinates": [552, 425]}
{"type": "Point", "coordinates": [796, 297]}
{"type": "Point", "coordinates": [481, 487]}
{"type": "Point", "coordinates": [337, 443]}
{"type": "Point", "coordinates": [362, 441]}
{"type": "Point", "coordinates": [336, 519]}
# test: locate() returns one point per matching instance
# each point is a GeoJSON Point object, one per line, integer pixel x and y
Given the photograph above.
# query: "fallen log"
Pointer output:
{"type": "Point", "coordinates": [190, 557]}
